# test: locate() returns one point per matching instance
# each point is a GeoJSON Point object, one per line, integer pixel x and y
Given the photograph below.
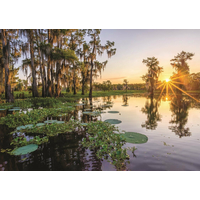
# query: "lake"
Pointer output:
{"type": "Point", "coordinates": [172, 126]}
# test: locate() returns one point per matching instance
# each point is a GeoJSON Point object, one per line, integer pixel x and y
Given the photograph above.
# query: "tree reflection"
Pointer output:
{"type": "Point", "coordinates": [125, 100]}
{"type": "Point", "coordinates": [151, 110]}
{"type": "Point", "coordinates": [179, 108]}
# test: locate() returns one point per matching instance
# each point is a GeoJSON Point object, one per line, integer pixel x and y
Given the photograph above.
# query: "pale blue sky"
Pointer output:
{"type": "Point", "coordinates": [134, 45]}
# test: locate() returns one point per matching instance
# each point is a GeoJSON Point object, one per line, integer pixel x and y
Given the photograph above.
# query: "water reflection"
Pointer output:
{"type": "Point", "coordinates": [125, 100]}
{"type": "Point", "coordinates": [63, 152]}
{"type": "Point", "coordinates": [179, 107]}
{"type": "Point", "coordinates": [151, 110]}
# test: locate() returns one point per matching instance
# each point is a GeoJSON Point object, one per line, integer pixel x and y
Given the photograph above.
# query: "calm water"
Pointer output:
{"type": "Point", "coordinates": [171, 125]}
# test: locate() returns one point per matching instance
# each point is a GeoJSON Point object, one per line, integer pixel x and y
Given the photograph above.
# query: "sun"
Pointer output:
{"type": "Point", "coordinates": [167, 80]}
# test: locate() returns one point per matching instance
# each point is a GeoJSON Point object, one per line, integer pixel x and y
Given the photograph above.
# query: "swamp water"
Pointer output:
{"type": "Point", "coordinates": [172, 126]}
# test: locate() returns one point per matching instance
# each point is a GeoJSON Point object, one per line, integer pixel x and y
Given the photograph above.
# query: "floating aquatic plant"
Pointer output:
{"type": "Point", "coordinates": [84, 124]}
{"type": "Point", "coordinates": [106, 143]}
{"type": "Point", "coordinates": [135, 138]}
{"type": "Point", "coordinates": [50, 121]}
{"type": "Point", "coordinates": [29, 126]}
{"type": "Point", "coordinates": [113, 121]}
{"type": "Point", "coordinates": [25, 149]}
{"type": "Point", "coordinates": [60, 122]}
{"type": "Point", "coordinates": [80, 104]}
{"type": "Point", "coordinates": [14, 109]}
{"type": "Point", "coordinates": [40, 124]}
{"type": "Point", "coordinates": [113, 111]}
{"type": "Point", "coordinates": [20, 128]}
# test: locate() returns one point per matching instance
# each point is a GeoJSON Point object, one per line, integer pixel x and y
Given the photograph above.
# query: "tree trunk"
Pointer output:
{"type": "Point", "coordinates": [1, 73]}
{"type": "Point", "coordinates": [44, 77]}
{"type": "Point", "coordinates": [34, 84]}
{"type": "Point", "coordinates": [90, 94]}
{"type": "Point", "coordinates": [58, 72]}
{"type": "Point", "coordinates": [52, 82]}
{"type": "Point", "coordinates": [8, 95]}
{"type": "Point", "coordinates": [74, 81]}
{"type": "Point", "coordinates": [83, 87]}
{"type": "Point", "coordinates": [48, 89]}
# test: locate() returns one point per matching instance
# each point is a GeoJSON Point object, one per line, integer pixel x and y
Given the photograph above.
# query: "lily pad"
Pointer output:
{"type": "Point", "coordinates": [20, 128]}
{"type": "Point", "coordinates": [86, 113]}
{"type": "Point", "coordinates": [29, 125]}
{"type": "Point", "coordinates": [113, 121]}
{"type": "Point", "coordinates": [40, 124]}
{"type": "Point", "coordinates": [107, 105]}
{"type": "Point", "coordinates": [50, 121]}
{"type": "Point", "coordinates": [14, 109]}
{"type": "Point", "coordinates": [135, 138]}
{"type": "Point", "coordinates": [25, 149]}
{"type": "Point", "coordinates": [59, 122]}
{"type": "Point", "coordinates": [88, 110]}
{"type": "Point", "coordinates": [92, 113]}
{"type": "Point", "coordinates": [84, 124]}
{"type": "Point", "coordinates": [80, 104]}
{"type": "Point", "coordinates": [113, 111]}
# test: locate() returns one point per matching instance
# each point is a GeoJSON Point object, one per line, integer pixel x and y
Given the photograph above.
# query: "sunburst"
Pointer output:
{"type": "Point", "coordinates": [170, 83]}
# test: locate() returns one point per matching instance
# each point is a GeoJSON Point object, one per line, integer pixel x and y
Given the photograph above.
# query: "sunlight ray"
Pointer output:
{"type": "Point", "coordinates": [161, 91]}
{"type": "Point", "coordinates": [178, 77]}
{"type": "Point", "coordinates": [185, 92]}
{"type": "Point", "coordinates": [172, 90]}
{"type": "Point", "coordinates": [178, 82]}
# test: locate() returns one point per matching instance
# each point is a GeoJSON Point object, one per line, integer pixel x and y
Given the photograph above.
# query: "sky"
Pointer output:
{"type": "Point", "coordinates": [134, 45]}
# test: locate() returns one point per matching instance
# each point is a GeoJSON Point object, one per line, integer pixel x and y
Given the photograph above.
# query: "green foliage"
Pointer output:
{"type": "Point", "coordinates": [34, 116]}
{"type": "Point", "coordinates": [108, 145]}
{"type": "Point", "coordinates": [42, 133]}
{"type": "Point", "coordinates": [53, 129]}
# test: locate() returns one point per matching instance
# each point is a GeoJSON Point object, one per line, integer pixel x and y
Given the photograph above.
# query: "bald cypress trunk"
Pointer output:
{"type": "Point", "coordinates": [48, 89]}
{"type": "Point", "coordinates": [34, 84]}
{"type": "Point", "coordinates": [8, 94]}
{"type": "Point", "coordinates": [90, 94]}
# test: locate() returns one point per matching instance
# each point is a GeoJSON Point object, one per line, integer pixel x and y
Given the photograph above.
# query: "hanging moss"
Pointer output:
{"type": "Point", "coordinates": [25, 149]}
{"type": "Point", "coordinates": [135, 138]}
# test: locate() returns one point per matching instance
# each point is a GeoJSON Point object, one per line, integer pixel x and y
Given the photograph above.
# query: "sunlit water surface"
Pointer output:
{"type": "Point", "coordinates": [172, 128]}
